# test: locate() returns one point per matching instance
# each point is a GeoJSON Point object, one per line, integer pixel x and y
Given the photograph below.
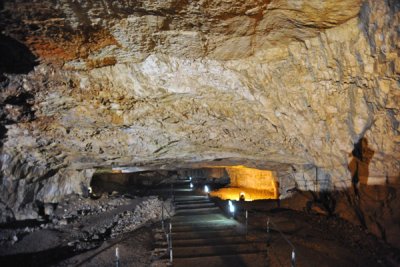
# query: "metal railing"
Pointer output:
{"type": "Point", "coordinates": [293, 254]}
{"type": "Point", "coordinates": [247, 222]}
{"type": "Point", "coordinates": [168, 233]}
{"type": "Point", "coordinates": [172, 192]}
{"type": "Point", "coordinates": [269, 221]}
{"type": "Point", "coordinates": [117, 257]}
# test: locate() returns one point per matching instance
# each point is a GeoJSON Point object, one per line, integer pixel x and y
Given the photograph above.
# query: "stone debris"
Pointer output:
{"type": "Point", "coordinates": [148, 210]}
{"type": "Point", "coordinates": [78, 206]}
{"type": "Point", "coordinates": [87, 222]}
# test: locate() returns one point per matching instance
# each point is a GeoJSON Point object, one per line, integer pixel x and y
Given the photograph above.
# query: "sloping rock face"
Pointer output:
{"type": "Point", "coordinates": [289, 86]}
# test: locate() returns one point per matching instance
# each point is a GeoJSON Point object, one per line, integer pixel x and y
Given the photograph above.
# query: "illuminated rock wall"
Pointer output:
{"type": "Point", "coordinates": [253, 184]}
{"type": "Point", "coordinates": [251, 178]}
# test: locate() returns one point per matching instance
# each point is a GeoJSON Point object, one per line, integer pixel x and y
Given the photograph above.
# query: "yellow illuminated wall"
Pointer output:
{"type": "Point", "coordinates": [253, 183]}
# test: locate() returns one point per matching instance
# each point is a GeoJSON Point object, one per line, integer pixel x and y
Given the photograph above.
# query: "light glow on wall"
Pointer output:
{"type": "Point", "coordinates": [233, 193]}
{"type": "Point", "coordinates": [248, 184]}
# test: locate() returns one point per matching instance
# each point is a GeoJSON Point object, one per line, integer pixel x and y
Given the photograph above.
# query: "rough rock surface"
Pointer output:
{"type": "Point", "coordinates": [252, 178]}
{"type": "Point", "coordinates": [82, 224]}
{"type": "Point", "coordinates": [290, 86]}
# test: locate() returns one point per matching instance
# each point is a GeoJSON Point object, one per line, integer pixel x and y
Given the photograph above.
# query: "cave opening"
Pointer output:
{"type": "Point", "coordinates": [238, 183]}
{"type": "Point", "coordinates": [129, 183]}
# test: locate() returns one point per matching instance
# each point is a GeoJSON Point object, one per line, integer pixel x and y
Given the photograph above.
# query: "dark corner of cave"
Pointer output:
{"type": "Point", "coordinates": [199, 133]}
{"type": "Point", "coordinates": [15, 57]}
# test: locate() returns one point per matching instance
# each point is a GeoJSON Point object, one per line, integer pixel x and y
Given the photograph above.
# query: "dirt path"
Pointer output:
{"type": "Point", "coordinates": [319, 241]}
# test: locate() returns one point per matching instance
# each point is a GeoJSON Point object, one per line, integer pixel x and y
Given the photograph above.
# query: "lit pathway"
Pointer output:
{"type": "Point", "coordinates": [203, 236]}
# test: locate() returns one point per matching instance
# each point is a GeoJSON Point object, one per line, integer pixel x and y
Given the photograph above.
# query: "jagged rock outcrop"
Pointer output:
{"type": "Point", "coordinates": [289, 86]}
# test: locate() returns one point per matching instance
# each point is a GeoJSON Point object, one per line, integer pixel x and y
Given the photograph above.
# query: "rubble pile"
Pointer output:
{"type": "Point", "coordinates": [148, 210]}
{"type": "Point", "coordinates": [83, 223]}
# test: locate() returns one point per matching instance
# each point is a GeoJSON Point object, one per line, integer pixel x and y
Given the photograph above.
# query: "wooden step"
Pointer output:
{"type": "Point", "coordinates": [190, 198]}
{"type": "Point", "coordinates": [194, 205]}
{"type": "Point", "coordinates": [194, 228]}
{"type": "Point", "coordinates": [225, 249]}
{"type": "Point", "coordinates": [194, 223]}
{"type": "Point", "coordinates": [237, 260]}
{"type": "Point", "coordinates": [212, 241]}
{"type": "Point", "coordinates": [188, 212]}
{"type": "Point", "coordinates": [204, 234]}
{"type": "Point", "coordinates": [193, 201]}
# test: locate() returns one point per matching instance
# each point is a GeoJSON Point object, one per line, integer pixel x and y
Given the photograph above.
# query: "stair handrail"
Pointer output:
{"type": "Point", "coordinates": [164, 208]}
{"type": "Point", "coordinates": [167, 234]}
{"type": "Point", "coordinates": [162, 216]}
{"type": "Point", "coordinates": [293, 255]}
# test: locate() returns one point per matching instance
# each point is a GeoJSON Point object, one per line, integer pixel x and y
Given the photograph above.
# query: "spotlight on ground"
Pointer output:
{"type": "Point", "coordinates": [231, 207]}
{"type": "Point", "coordinates": [206, 189]}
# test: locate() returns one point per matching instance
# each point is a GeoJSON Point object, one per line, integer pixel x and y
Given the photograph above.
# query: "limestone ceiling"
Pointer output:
{"type": "Point", "coordinates": [100, 33]}
{"type": "Point", "coordinates": [272, 84]}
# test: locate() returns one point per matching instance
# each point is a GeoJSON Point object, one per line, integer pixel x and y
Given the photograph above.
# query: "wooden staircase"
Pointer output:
{"type": "Point", "coordinates": [203, 236]}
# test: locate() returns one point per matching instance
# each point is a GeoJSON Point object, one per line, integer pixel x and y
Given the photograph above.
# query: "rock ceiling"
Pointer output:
{"type": "Point", "coordinates": [281, 85]}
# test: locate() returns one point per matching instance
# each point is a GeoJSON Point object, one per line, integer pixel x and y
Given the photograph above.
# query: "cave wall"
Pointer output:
{"type": "Point", "coordinates": [241, 176]}
{"type": "Point", "coordinates": [289, 86]}
{"type": "Point", "coordinates": [374, 208]}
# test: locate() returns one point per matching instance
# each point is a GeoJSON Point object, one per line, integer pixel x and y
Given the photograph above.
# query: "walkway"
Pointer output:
{"type": "Point", "coordinates": [203, 236]}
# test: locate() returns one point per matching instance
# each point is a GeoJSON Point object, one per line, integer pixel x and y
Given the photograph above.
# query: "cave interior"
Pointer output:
{"type": "Point", "coordinates": [195, 133]}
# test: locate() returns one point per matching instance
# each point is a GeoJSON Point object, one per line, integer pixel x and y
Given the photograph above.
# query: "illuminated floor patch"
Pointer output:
{"type": "Point", "coordinates": [248, 194]}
